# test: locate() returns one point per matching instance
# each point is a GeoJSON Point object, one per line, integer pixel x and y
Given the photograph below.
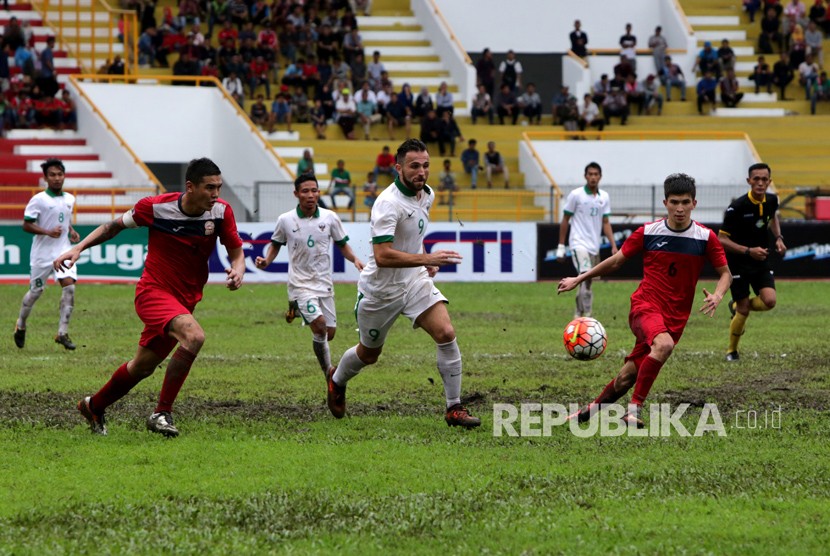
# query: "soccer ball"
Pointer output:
{"type": "Point", "coordinates": [585, 338]}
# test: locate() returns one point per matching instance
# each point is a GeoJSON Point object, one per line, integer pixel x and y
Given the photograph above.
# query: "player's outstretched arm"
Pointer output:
{"type": "Point", "coordinates": [387, 256]}
{"type": "Point", "coordinates": [608, 266]}
{"type": "Point", "coordinates": [237, 269]}
{"type": "Point", "coordinates": [99, 235]}
{"type": "Point", "coordinates": [712, 300]}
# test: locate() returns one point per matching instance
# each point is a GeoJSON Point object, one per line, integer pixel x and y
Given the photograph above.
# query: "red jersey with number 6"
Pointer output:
{"type": "Point", "coordinates": [180, 245]}
{"type": "Point", "coordinates": [672, 261]}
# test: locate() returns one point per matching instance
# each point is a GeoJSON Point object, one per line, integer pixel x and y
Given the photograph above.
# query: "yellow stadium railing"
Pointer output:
{"type": "Point", "coordinates": [82, 33]}
{"type": "Point", "coordinates": [453, 37]}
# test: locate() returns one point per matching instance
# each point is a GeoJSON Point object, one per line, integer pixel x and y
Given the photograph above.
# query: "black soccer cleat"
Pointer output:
{"type": "Point", "coordinates": [335, 396]}
{"type": "Point", "coordinates": [97, 423]}
{"type": "Point", "coordinates": [162, 423]}
{"type": "Point", "coordinates": [732, 356]}
{"type": "Point", "coordinates": [632, 418]}
{"type": "Point", "coordinates": [458, 416]}
{"type": "Point", "coordinates": [19, 337]}
{"type": "Point", "coordinates": [63, 339]}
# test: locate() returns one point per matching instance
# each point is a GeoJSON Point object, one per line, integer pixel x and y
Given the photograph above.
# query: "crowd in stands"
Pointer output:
{"type": "Point", "coordinates": [31, 97]}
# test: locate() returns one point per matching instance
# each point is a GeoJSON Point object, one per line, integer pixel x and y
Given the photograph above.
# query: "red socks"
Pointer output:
{"type": "Point", "coordinates": [645, 378]}
{"type": "Point", "coordinates": [609, 394]}
{"type": "Point", "coordinates": [177, 371]}
{"type": "Point", "coordinates": [116, 388]}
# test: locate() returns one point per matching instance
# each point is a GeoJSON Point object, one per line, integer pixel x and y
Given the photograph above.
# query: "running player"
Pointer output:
{"type": "Point", "coordinates": [586, 215]}
{"type": "Point", "coordinates": [48, 216]}
{"type": "Point", "coordinates": [308, 232]}
{"type": "Point", "coordinates": [674, 250]}
{"type": "Point", "coordinates": [398, 281]}
{"type": "Point", "coordinates": [745, 237]}
{"type": "Point", "coordinates": [183, 231]}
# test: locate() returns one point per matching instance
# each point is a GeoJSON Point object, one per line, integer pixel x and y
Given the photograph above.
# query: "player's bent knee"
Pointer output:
{"type": "Point", "coordinates": [194, 339]}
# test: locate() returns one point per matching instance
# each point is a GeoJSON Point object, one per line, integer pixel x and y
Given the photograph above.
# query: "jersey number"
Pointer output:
{"type": "Point", "coordinates": [309, 307]}
{"type": "Point", "coordinates": [594, 211]}
{"type": "Point", "coordinates": [421, 226]}
{"type": "Point", "coordinates": [60, 217]}
{"type": "Point", "coordinates": [310, 241]}
{"type": "Point", "coordinates": [672, 270]}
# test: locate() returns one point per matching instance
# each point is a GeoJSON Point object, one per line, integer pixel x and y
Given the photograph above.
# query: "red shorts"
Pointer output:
{"type": "Point", "coordinates": [156, 308]}
{"type": "Point", "coordinates": [646, 322]}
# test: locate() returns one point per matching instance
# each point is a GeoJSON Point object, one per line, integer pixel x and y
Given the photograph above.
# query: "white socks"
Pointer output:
{"type": "Point", "coordinates": [67, 304]}
{"type": "Point", "coordinates": [28, 304]}
{"type": "Point", "coordinates": [449, 367]}
{"type": "Point", "coordinates": [348, 367]}
{"type": "Point", "coordinates": [321, 350]}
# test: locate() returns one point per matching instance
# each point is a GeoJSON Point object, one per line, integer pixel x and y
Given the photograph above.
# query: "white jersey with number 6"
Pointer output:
{"type": "Point", "coordinates": [587, 211]}
{"type": "Point", "coordinates": [49, 211]}
{"type": "Point", "coordinates": [309, 250]}
{"type": "Point", "coordinates": [400, 217]}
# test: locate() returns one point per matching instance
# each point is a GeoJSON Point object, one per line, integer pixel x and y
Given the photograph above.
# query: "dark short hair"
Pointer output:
{"type": "Point", "coordinates": [199, 168]}
{"type": "Point", "coordinates": [409, 146]}
{"type": "Point", "coordinates": [302, 178]}
{"type": "Point", "coordinates": [679, 184]}
{"type": "Point", "coordinates": [593, 165]}
{"type": "Point", "coordinates": [759, 166]}
{"type": "Point", "coordinates": [52, 162]}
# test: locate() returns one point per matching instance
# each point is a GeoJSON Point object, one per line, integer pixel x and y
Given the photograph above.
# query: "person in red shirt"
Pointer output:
{"type": "Point", "coordinates": [674, 251]}
{"type": "Point", "coordinates": [183, 229]}
{"type": "Point", "coordinates": [385, 164]}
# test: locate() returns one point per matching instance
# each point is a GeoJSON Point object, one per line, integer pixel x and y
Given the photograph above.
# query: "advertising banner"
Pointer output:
{"type": "Point", "coordinates": [807, 256]}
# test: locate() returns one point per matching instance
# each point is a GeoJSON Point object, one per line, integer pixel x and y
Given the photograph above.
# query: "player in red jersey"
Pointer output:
{"type": "Point", "coordinates": [183, 231]}
{"type": "Point", "coordinates": [674, 250]}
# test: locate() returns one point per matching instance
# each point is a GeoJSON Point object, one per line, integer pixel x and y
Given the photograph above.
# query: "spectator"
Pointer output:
{"type": "Point", "coordinates": [795, 13]}
{"type": "Point", "coordinates": [359, 70]}
{"type": "Point", "coordinates": [808, 72]}
{"type": "Point", "coordinates": [375, 68]}
{"type": "Point", "coordinates": [448, 133]}
{"type": "Point", "coordinates": [673, 77]}
{"type": "Point", "coordinates": [233, 85]}
{"type": "Point", "coordinates": [430, 128]}
{"type": "Point", "coordinates": [600, 89]}
{"type": "Point", "coordinates": [814, 39]}
{"type": "Point", "coordinates": [311, 74]}
{"type": "Point", "coordinates": [471, 161]}
{"type": "Point", "coordinates": [13, 35]}
{"type": "Point", "coordinates": [364, 6]}
{"type": "Point", "coordinates": [46, 79]}
{"type": "Point", "coordinates": [398, 115]}
{"type": "Point", "coordinates": [589, 115]}
{"type": "Point", "coordinates": [443, 100]}
{"type": "Point", "coordinates": [367, 111]}
{"type": "Point", "coordinates": [306, 164]}
{"type": "Point", "coordinates": [770, 34]}
{"type": "Point", "coordinates": [634, 94]}
{"type": "Point", "coordinates": [707, 60]}
{"type": "Point", "coordinates": [706, 88]}
{"type": "Point", "coordinates": [259, 75]}
{"type": "Point", "coordinates": [729, 93]}
{"type": "Point", "coordinates": [352, 45]}
{"type": "Point", "coordinates": [798, 46]}
{"type": "Point", "coordinates": [507, 106]}
{"type": "Point", "coordinates": [579, 40]}
{"type": "Point", "coordinates": [260, 12]}
{"type": "Point", "coordinates": [568, 115]}
{"type": "Point", "coordinates": [384, 97]}
{"type": "Point", "coordinates": [259, 112]}
{"type": "Point", "coordinates": [327, 44]}
{"type": "Point", "coordinates": [423, 103]}
{"type": "Point", "coordinates": [407, 98]}
{"type": "Point", "coordinates": [69, 116]}
{"type": "Point", "coordinates": [615, 105]}
{"type": "Point", "coordinates": [726, 56]}
{"type": "Point", "coordinates": [482, 105]}
{"type": "Point", "coordinates": [560, 99]}
{"type": "Point", "coordinates": [385, 164]}
{"type": "Point", "coordinates": [658, 45]}
{"type": "Point", "coordinates": [446, 182]}
{"type": "Point", "coordinates": [651, 95]}
{"type": "Point", "coordinates": [621, 72]}
{"type": "Point", "coordinates": [280, 112]}
{"type": "Point", "coordinates": [817, 12]}
{"type": "Point", "coordinates": [299, 105]}
{"type": "Point", "coordinates": [370, 190]}
{"type": "Point", "coordinates": [751, 7]}
{"type": "Point", "coordinates": [511, 72]}
{"type": "Point", "coordinates": [761, 76]}
{"type": "Point", "coordinates": [494, 164]}
{"type": "Point", "coordinates": [189, 13]}
{"type": "Point", "coordinates": [187, 67]}
{"type": "Point", "coordinates": [821, 91]}
{"type": "Point", "coordinates": [628, 47]}
{"type": "Point", "coordinates": [318, 119]}
{"type": "Point", "coordinates": [782, 74]}
{"type": "Point", "coordinates": [531, 104]}
{"type": "Point", "coordinates": [341, 184]}
{"type": "Point", "coordinates": [346, 113]}
{"type": "Point", "coordinates": [485, 71]}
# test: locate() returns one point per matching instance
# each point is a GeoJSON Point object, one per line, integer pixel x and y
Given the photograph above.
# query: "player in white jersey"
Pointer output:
{"type": "Point", "coordinates": [397, 280]}
{"type": "Point", "coordinates": [586, 215]}
{"type": "Point", "coordinates": [48, 216]}
{"type": "Point", "coordinates": [308, 232]}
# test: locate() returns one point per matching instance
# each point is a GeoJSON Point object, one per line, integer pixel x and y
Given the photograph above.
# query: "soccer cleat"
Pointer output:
{"type": "Point", "coordinates": [19, 337]}
{"type": "Point", "coordinates": [162, 423]}
{"type": "Point", "coordinates": [63, 339]}
{"type": "Point", "coordinates": [632, 418]}
{"type": "Point", "coordinates": [97, 423]}
{"type": "Point", "coordinates": [458, 416]}
{"type": "Point", "coordinates": [291, 313]}
{"type": "Point", "coordinates": [731, 307]}
{"type": "Point", "coordinates": [336, 396]}
{"type": "Point", "coordinates": [732, 356]}
{"type": "Point", "coordinates": [583, 415]}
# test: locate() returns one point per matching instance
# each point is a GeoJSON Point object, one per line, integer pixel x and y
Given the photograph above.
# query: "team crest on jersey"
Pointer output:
{"type": "Point", "coordinates": [322, 226]}
{"type": "Point", "coordinates": [210, 227]}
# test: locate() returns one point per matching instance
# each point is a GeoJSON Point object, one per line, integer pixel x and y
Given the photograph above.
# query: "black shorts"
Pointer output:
{"type": "Point", "coordinates": [742, 279]}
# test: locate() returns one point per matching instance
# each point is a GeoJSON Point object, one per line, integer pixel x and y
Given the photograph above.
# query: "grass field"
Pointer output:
{"type": "Point", "coordinates": [261, 466]}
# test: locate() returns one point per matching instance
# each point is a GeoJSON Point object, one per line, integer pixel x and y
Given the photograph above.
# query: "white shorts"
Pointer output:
{"type": "Point", "coordinates": [311, 307]}
{"type": "Point", "coordinates": [376, 317]}
{"type": "Point", "coordinates": [39, 275]}
{"type": "Point", "coordinates": [583, 261]}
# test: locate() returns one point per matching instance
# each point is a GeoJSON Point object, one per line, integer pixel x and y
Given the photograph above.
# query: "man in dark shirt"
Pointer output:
{"type": "Point", "coordinates": [579, 40]}
{"type": "Point", "coordinates": [744, 235]}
